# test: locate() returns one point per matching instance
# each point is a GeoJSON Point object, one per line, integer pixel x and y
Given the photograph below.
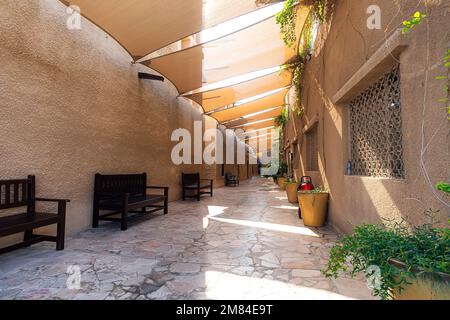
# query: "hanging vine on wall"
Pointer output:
{"type": "Point", "coordinates": [446, 86]}
{"type": "Point", "coordinates": [286, 18]}
{"type": "Point", "coordinates": [282, 119]}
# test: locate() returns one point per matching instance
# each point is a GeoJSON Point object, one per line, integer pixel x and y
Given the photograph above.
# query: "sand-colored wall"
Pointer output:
{"type": "Point", "coordinates": [341, 49]}
{"type": "Point", "coordinates": [71, 105]}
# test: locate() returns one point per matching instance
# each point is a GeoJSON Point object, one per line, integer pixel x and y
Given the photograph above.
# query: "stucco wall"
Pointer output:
{"type": "Point", "coordinates": [341, 49]}
{"type": "Point", "coordinates": [71, 105]}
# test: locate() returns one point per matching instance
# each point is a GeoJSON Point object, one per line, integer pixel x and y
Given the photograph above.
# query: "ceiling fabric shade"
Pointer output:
{"type": "Point", "coordinates": [274, 100]}
{"type": "Point", "coordinates": [255, 48]}
{"type": "Point", "coordinates": [144, 26]}
{"type": "Point", "coordinates": [259, 125]}
{"type": "Point", "coordinates": [259, 117]}
{"type": "Point", "coordinates": [225, 96]}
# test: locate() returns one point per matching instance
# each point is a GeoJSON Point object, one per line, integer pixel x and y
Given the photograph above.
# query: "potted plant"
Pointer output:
{"type": "Point", "coordinates": [281, 180]}
{"type": "Point", "coordinates": [400, 262]}
{"type": "Point", "coordinates": [291, 190]}
{"type": "Point", "coordinates": [314, 206]}
{"type": "Point", "coordinates": [282, 171]}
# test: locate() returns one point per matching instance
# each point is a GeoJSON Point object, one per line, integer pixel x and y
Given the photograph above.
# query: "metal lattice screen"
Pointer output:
{"type": "Point", "coordinates": [376, 129]}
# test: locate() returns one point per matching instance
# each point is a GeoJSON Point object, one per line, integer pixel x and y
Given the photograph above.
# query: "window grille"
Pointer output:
{"type": "Point", "coordinates": [312, 151]}
{"type": "Point", "coordinates": [376, 129]}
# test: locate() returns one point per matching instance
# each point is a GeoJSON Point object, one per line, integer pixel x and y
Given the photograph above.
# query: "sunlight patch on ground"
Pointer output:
{"type": "Point", "coordinates": [212, 212]}
{"type": "Point", "coordinates": [285, 207]}
{"type": "Point", "coordinates": [226, 286]}
{"type": "Point", "coordinates": [269, 226]}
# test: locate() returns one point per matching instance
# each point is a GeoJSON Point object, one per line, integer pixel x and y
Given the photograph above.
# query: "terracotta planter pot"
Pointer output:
{"type": "Point", "coordinates": [314, 207]}
{"type": "Point", "coordinates": [424, 286]}
{"type": "Point", "coordinates": [282, 183]}
{"type": "Point", "coordinates": [291, 191]}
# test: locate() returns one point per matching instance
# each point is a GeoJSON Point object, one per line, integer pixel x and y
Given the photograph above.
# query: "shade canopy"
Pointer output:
{"type": "Point", "coordinates": [274, 100]}
{"type": "Point", "coordinates": [255, 48]}
{"type": "Point", "coordinates": [214, 99]}
{"type": "Point", "coordinates": [144, 26]}
{"type": "Point", "coordinates": [244, 122]}
{"type": "Point", "coordinates": [226, 73]}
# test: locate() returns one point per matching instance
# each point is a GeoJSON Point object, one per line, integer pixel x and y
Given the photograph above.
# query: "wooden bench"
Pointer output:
{"type": "Point", "coordinates": [22, 193]}
{"type": "Point", "coordinates": [192, 182]}
{"type": "Point", "coordinates": [231, 180]}
{"type": "Point", "coordinates": [125, 194]}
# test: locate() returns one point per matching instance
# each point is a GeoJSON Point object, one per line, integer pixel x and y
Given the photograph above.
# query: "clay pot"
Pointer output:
{"type": "Point", "coordinates": [291, 191]}
{"type": "Point", "coordinates": [314, 207]}
{"type": "Point", "coordinates": [424, 286]}
{"type": "Point", "coordinates": [282, 183]}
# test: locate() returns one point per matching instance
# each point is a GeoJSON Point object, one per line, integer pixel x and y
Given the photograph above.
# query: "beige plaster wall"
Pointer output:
{"type": "Point", "coordinates": [71, 105]}
{"type": "Point", "coordinates": [340, 51]}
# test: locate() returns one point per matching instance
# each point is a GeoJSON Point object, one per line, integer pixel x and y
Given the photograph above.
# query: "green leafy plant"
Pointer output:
{"type": "Point", "coordinates": [291, 181]}
{"type": "Point", "coordinates": [319, 10]}
{"type": "Point", "coordinates": [446, 78]}
{"type": "Point", "coordinates": [282, 119]}
{"type": "Point", "coordinates": [423, 250]}
{"type": "Point", "coordinates": [287, 20]}
{"type": "Point", "coordinates": [442, 186]}
{"type": "Point", "coordinates": [319, 189]}
{"type": "Point", "coordinates": [283, 169]}
{"type": "Point", "coordinates": [413, 22]}
{"type": "Point", "coordinates": [296, 69]}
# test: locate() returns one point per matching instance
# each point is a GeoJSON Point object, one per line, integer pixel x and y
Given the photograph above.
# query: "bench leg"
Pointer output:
{"type": "Point", "coordinates": [61, 226]}
{"type": "Point", "coordinates": [166, 200]}
{"type": "Point", "coordinates": [95, 215]}
{"type": "Point", "coordinates": [124, 220]}
{"type": "Point", "coordinates": [198, 194]}
{"type": "Point", "coordinates": [28, 235]}
{"type": "Point", "coordinates": [60, 234]}
{"type": "Point", "coordinates": [184, 194]}
{"type": "Point", "coordinates": [166, 206]}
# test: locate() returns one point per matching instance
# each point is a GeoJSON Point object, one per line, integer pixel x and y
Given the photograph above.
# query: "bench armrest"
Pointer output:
{"type": "Point", "coordinates": [209, 180]}
{"type": "Point", "coordinates": [61, 205]}
{"type": "Point", "coordinates": [166, 189]}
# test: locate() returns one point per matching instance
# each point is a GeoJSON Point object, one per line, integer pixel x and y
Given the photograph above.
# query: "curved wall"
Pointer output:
{"type": "Point", "coordinates": [72, 105]}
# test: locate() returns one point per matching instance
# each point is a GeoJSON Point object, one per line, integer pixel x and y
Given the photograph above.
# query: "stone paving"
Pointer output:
{"type": "Point", "coordinates": [244, 243]}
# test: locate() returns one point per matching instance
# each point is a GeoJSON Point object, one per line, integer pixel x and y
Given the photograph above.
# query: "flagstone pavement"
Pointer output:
{"type": "Point", "coordinates": [243, 243]}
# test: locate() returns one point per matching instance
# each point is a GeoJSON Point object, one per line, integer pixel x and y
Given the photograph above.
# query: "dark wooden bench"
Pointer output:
{"type": "Point", "coordinates": [125, 194]}
{"type": "Point", "coordinates": [22, 193]}
{"type": "Point", "coordinates": [196, 186]}
{"type": "Point", "coordinates": [231, 180]}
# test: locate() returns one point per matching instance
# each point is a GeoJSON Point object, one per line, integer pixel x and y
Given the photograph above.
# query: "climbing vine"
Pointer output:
{"type": "Point", "coordinates": [413, 22]}
{"type": "Point", "coordinates": [446, 78]}
{"type": "Point", "coordinates": [282, 119]}
{"type": "Point", "coordinates": [288, 16]}
{"type": "Point", "coordinates": [286, 19]}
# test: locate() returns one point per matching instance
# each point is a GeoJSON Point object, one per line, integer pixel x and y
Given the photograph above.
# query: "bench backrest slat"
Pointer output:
{"type": "Point", "coordinates": [121, 183]}
{"type": "Point", "coordinates": [190, 178]}
{"type": "Point", "coordinates": [16, 193]}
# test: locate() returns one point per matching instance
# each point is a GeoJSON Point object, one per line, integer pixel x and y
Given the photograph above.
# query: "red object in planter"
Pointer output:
{"type": "Point", "coordinates": [306, 184]}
